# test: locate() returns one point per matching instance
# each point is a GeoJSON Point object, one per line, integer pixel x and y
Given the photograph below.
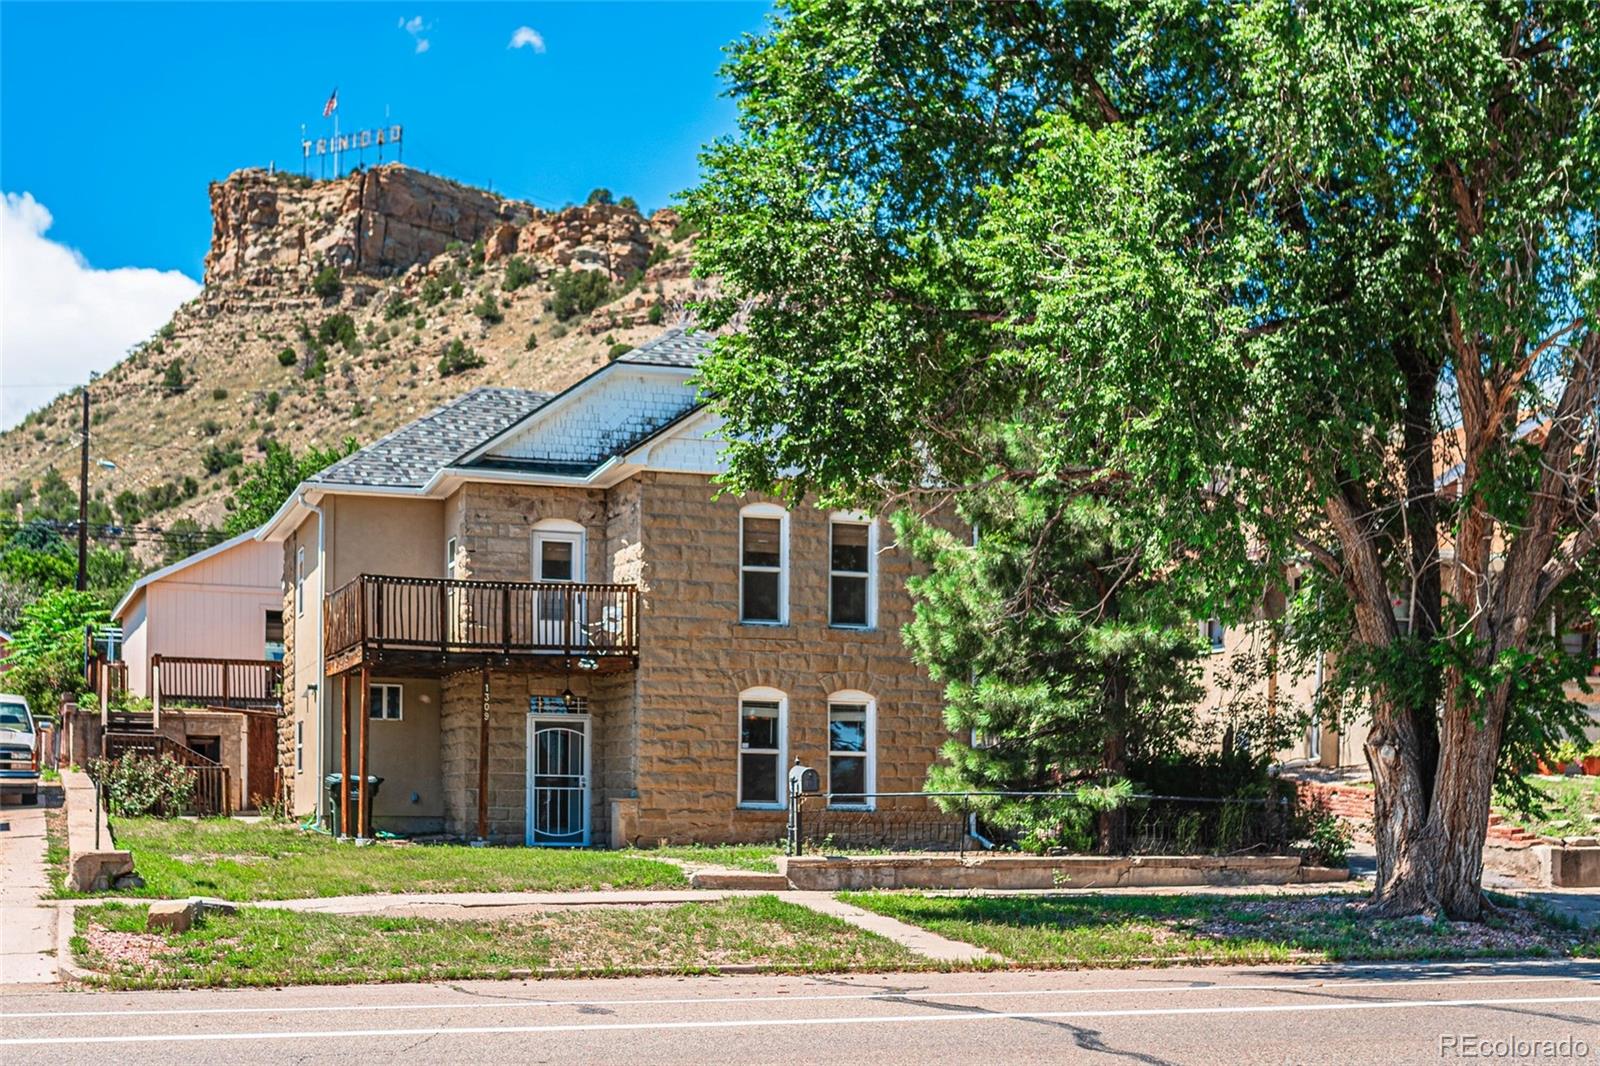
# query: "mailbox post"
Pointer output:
{"type": "Point", "coordinates": [803, 781]}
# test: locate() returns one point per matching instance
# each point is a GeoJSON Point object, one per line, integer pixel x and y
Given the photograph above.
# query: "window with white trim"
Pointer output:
{"type": "Point", "coordinates": [383, 702]}
{"type": "Point", "coordinates": [851, 755]}
{"type": "Point", "coordinates": [764, 564]}
{"type": "Point", "coordinates": [763, 743]}
{"type": "Point", "coordinates": [299, 581]}
{"type": "Point", "coordinates": [299, 746]}
{"type": "Point", "coordinates": [851, 580]}
{"type": "Point", "coordinates": [450, 558]}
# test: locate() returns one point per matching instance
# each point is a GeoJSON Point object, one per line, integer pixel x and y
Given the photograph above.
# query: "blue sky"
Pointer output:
{"type": "Point", "coordinates": [114, 118]}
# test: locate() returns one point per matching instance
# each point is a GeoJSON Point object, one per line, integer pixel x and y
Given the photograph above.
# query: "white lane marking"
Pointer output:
{"type": "Point", "coordinates": [755, 1023]}
{"type": "Point", "coordinates": [917, 996]}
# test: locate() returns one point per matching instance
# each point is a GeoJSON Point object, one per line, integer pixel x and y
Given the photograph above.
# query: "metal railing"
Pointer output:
{"type": "Point", "coordinates": [237, 683]}
{"type": "Point", "coordinates": [1143, 824]}
{"type": "Point", "coordinates": [506, 617]}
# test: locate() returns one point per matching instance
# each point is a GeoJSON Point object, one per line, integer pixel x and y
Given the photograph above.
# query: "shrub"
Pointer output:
{"type": "Point", "coordinates": [210, 427]}
{"type": "Point", "coordinates": [220, 457]}
{"type": "Point", "coordinates": [458, 358]}
{"type": "Point", "coordinates": [340, 329]}
{"type": "Point", "coordinates": [173, 380]}
{"type": "Point", "coordinates": [557, 331]}
{"type": "Point", "coordinates": [655, 314]}
{"type": "Point", "coordinates": [618, 349]}
{"type": "Point", "coordinates": [684, 230]}
{"type": "Point", "coordinates": [657, 254]}
{"type": "Point", "coordinates": [518, 274]}
{"type": "Point", "coordinates": [531, 343]}
{"type": "Point", "coordinates": [327, 282]}
{"type": "Point", "coordinates": [488, 309]}
{"type": "Point", "coordinates": [396, 308]}
{"type": "Point", "coordinates": [628, 202]}
{"type": "Point", "coordinates": [577, 292]}
{"type": "Point", "coordinates": [287, 357]}
{"type": "Point", "coordinates": [169, 330]}
{"type": "Point", "coordinates": [420, 322]}
{"type": "Point", "coordinates": [219, 394]}
{"type": "Point", "coordinates": [358, 409]}
{"type": "Point", "coordinates": [139, 785]}
{"type": "Point", "coordinates": [1324, 838]}
{"type": "Point", "coordinates": [433, 290]}
{"type": "Point", "coordinates": [601, 195]}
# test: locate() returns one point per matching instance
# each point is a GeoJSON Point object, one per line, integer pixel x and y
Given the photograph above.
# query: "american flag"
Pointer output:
{"type": "Point", "coordinates": [332, 104]}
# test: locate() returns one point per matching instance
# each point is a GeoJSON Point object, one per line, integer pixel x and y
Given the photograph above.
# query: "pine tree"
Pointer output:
{"type": "Point", "coordinates": [1066, 656]}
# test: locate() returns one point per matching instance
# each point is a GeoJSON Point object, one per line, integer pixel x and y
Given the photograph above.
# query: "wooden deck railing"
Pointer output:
{"type": "Point", "coordinates": [420, 614]}
{"type": "Point", "coordinates": [212, 795]}
{"type": "Point", "coordinates": [241, 683]}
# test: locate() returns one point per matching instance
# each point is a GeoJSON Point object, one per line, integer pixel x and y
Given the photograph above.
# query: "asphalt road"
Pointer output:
{"type": "Point", "coordinates": [1282, 1014]}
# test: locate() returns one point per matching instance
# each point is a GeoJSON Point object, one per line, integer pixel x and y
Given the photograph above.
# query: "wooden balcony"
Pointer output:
{"type": "Point", "coordinates": [242, 684]}
{"type": "Point", "coordinates": [429, 626]}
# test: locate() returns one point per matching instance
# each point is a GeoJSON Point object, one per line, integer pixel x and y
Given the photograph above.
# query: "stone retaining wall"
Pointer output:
{"type": "Point", "coordinates": [842, 873]}
{"type": "Point", "coordinates": [90, 867]}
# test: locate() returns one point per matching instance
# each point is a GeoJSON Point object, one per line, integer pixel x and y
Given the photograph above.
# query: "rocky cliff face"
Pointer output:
{"type": "Point", "coordinates": [278, 230]}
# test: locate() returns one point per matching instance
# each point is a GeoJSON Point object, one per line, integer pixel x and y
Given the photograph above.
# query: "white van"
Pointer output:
{"type": "Point", "coordinates": [19, 749]}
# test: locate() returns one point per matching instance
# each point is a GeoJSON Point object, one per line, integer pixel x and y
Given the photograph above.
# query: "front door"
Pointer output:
{"type": "Point", "coordinates": [558, 781]}
{"type": "Point", "coordinates": [557, 559]}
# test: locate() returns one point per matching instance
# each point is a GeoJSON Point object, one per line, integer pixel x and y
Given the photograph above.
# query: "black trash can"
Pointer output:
{"type": "Point", "coordinates": [334, 810]}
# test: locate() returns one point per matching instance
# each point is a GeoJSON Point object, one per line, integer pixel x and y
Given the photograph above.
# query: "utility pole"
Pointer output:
{"type": "Point", "coordinates": [83, 500]}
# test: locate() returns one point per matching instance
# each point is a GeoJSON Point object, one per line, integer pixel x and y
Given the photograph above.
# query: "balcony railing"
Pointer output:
{"type": "Point", "coordinates": [238, 683]}
{"type": "Point", "coordinates": [507, 618]}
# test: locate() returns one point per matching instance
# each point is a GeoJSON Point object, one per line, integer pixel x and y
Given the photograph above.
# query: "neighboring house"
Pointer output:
{"type": "Point", "coordinates": [549, 628]}
{"type": "Point", "coordinates": [223, 603]}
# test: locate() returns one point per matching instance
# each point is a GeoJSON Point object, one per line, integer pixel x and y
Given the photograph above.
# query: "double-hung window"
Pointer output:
{"type": "Point", "coordinates": [762, 744]}
{"type": "Point", "coordinates": [763, 564]}
{"type": "Point", "coordinates": [850, 749]}
{"type": "Point", "coordinates": [851, 592]}
{"type": "Point", "coordinates": [383, 702]}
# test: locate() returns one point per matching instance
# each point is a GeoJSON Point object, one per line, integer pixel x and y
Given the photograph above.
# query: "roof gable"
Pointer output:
{"type": "Point", "coordinates": [411, 455]}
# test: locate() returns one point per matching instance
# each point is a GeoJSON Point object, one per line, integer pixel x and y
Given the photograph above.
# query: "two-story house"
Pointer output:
{"type": "Point", "coordinates": [537, 620]}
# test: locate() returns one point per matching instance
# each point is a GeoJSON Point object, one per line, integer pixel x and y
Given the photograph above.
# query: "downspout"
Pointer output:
{"type": "Point", "coordinates": [322, 662]}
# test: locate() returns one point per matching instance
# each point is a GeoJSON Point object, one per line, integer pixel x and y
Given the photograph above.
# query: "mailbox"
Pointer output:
{"type": "Point", "coordinates": [803, 780]}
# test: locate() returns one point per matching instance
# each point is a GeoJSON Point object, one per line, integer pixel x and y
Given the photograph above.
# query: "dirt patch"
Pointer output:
{"type": "Point", "coordinates": [1511, 931]}
{"type": "Point", "coordinates": [124, 952]}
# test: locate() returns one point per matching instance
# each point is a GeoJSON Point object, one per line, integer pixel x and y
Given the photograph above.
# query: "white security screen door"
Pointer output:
{"type": "Point", "coordinates": [558, 558]}
{"type": "Point", "coordinates": [558, 781]}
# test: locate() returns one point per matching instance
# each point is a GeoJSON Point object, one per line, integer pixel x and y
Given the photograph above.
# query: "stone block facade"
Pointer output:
{"type": "Point", "coordinates": [665, 735]}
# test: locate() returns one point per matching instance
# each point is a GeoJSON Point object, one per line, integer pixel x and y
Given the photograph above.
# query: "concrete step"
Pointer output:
{"type": "Point", "coordinates": [739, 879]}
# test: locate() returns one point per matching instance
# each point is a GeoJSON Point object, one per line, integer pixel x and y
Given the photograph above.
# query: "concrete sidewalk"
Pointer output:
{"type": "Point", "coordinates": [27, 922]}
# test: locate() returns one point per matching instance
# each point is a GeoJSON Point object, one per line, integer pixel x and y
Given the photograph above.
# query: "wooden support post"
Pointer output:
{"type": "Point", "coordinates": [483, 762]}
{"type": "Point", "coordinates": [365, 831]}
{"type": "Point", "coordinates": [155, 692]}
{"type": "Point", "coordinates": [344, 758]}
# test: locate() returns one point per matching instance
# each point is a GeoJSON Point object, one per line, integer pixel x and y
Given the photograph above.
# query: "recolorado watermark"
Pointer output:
{"type": "Point", "coordinates": [1522, 1048]}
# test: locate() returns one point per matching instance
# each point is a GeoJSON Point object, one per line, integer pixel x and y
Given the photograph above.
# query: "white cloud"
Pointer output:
{"type": "Point", "coordinates": [527, 37]}
{"type": "Point", "coordinates": [60, 318]}
{"type": "Point", "coordinates": [416, 27]}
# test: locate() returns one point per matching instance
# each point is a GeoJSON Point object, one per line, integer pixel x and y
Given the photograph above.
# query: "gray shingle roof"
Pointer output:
{"type": "Point", "coordinates": [673, 348]}
{"type": "Point", "coordinates": [412, 454]}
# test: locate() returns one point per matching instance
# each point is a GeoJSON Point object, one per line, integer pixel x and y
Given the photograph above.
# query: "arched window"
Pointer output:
{"type": "Point", "coordinates": [763, 747]}
{"type": "Point", "coordinates": [763, 564]}
{"type": "Point", "coordinates": [852, 749]}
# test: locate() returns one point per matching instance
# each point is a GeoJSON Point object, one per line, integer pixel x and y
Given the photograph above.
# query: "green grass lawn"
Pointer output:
{"type": "Point", "coordinates": [268, 946]}
{"type": "Point", "coordinates": [244, 861]}
{"type": "Point", "coordinates": [1119, 930]}
{"type": "Point", "coordinates": [1569, 807]}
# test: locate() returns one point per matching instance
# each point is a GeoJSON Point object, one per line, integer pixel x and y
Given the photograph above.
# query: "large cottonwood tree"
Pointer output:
{"type": "Point", "coordinates": [1311, 285]}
